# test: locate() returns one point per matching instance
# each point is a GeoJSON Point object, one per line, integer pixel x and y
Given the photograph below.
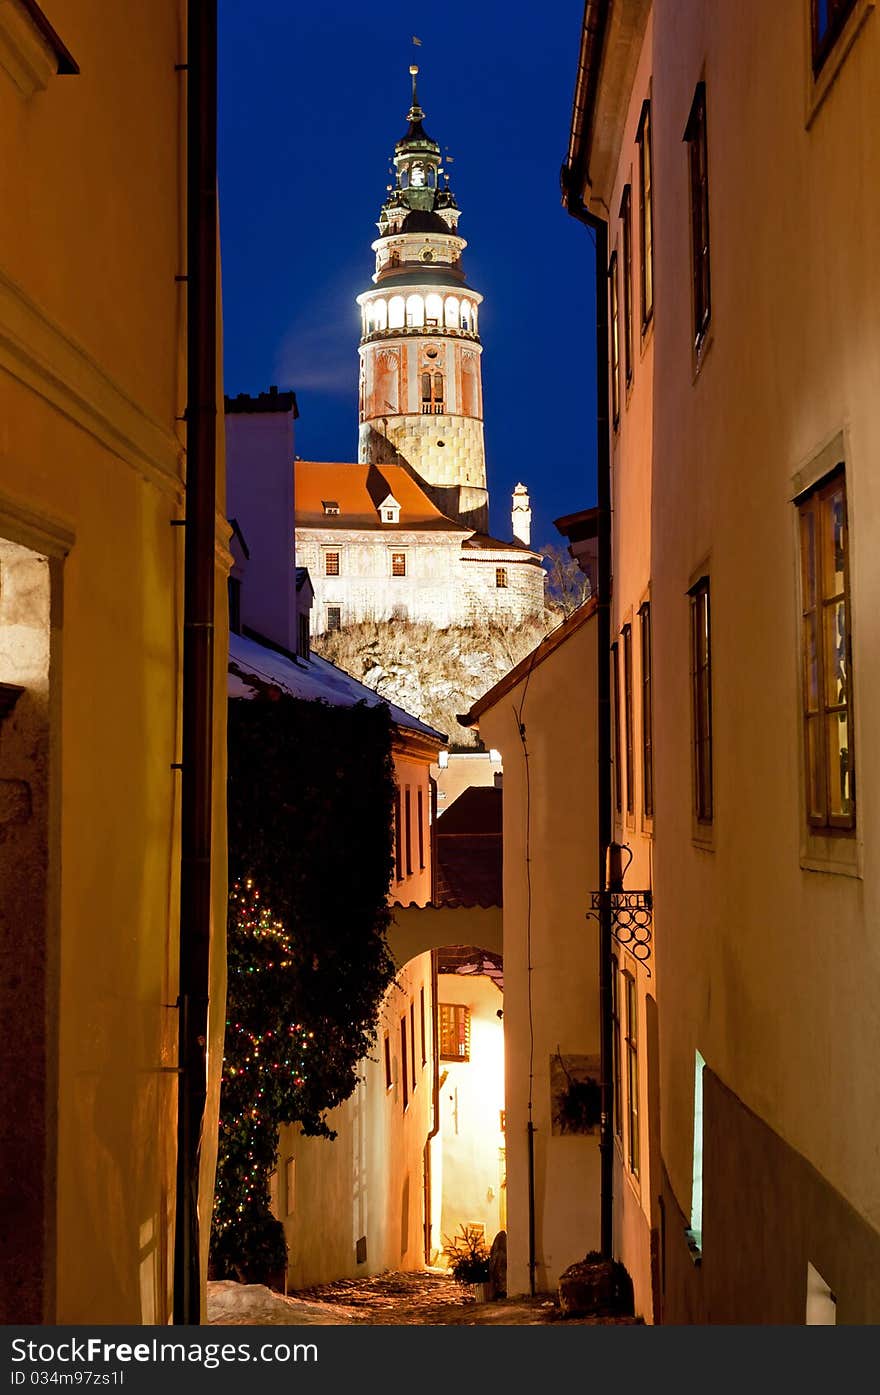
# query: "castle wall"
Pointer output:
{"type": "Point", "coordinates": [366, 588]}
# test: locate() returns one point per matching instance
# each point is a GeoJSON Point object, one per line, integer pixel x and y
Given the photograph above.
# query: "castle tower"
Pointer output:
{"type": "Point", "coordinates": [421, 397]}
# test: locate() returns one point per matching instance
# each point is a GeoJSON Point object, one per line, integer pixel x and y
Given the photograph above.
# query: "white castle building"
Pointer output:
{"type": "Point", "coordinates": [404, 532]}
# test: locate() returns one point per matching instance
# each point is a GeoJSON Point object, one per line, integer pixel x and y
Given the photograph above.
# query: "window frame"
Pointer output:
{"type": "Point", "coordinates": [614, 325]}
{"type": "Point", "coordinates": [631, 1042]}
{"type": "Point", "coordinates": [398, 834]}
{"type": "Point", "coordinates": [618, 769]}
{"type": "Point", "coordinates": [821, 47]}
{"type": "Point", "coordinates": [332, 562]}
{"type": "Point", "coordinates": [697, 140]}
{"type": "Point", "coordinates": [628, 719]}
{"type": "Point", "coordinates": [501, 578]}
{"type": "Point", "coordinates": [404, 1078]}
{"type": "Point", "coordinates": [407, 826]}
{"type": "Point", "coordinates": [810, 505]}
{"type": "Point", "coordinates": [646, 638]}
{"type": "Point", "coordinates": [626, 247]}
{"type": "Point", "coordinates": [420, 815]}
{"type": "Point", "coordinates": [389, 1078]}
{"type": "Point", "coordinates": [616, 1078]}
{"type": "Point", "coordinates": [412, 1043]}
{"type": "Point", "coordinates": [644, 140]}
{"type": "Point", "coordinates": [398, 563]}
{"type": "Point", "coordinates": [422, 1020]}
{"type": "Point", "coordinates": [334, 628]}
{"type": "Point", "coordinates": [451, 1028]}
{"type": "Point", "coordinates": [701, 704]}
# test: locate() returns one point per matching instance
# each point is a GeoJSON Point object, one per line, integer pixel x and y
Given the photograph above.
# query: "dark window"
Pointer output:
{"type": "Point", "coordinates": [618, 773]}
{"type": "Point", "coordinates": [695, 135]}
{"type": "Point", "coordinates": [827, 662]}
{"type": "Point", "coordinates": [455, 1032]}
{"type": "Point", "coordinates": [329, 506]}
{"type": "Point", "coordinates": [646, 213]}
{"type": "Point", "coordinates": [407, 805]}
{"type": "Point", "coordinates": [331, 563]}
{"type": "Point", "coordinates": [701, 698]}
{"type": "Point", "coordinates": [422, 1023]}
{"type": "Point", "coordinates": [615, 1046]}
{"type": "Point", "coordinates": [647, 715]}
{"type": "Point", "coordinates": [615, 340]}
{"type": "Point", "coordinates": [412, 1042]}
{"type": "Point", "coordinates": [235, 605]}
{"type": "Point", "coordinates": [632, 1074]}
{"type": "Point", "coordinates": [432, 393]}
{"type": "Point", "coordinates": [398, 837]}
{"type": "Point", "coordinates": [626, 221]}
{"type": "Point", "coordinates": [501, 577]}
{"type": "Point", "coordinates": [387, 1062]}
{"type": "Point", "coordinates": [426, 387]}
{"type": "Point", "coordinates": [404, 1076]}
{"type": "Point", "coordinates": [828, 19]}
{"type": "Point", "coordinates": [303, 647]}
{"type": "Point", "coordinates": [420, 812]}
{"type": "Point", "coordinates": [398, 564]}
{"type": "Point", "coordinates": [628, 716]}
{"type": "Point", "coordinates": [334, 617]}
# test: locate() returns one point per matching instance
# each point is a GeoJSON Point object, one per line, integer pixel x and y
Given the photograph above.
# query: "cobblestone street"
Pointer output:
{"type": "Point", "coordinates": [394, 1299]}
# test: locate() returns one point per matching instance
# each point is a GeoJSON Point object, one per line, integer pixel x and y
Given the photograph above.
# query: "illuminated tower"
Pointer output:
{"type": "Point", "coordinates": [421, 397]}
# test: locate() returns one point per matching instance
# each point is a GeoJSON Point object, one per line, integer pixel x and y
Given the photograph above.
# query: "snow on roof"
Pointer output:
{"type": "Point", "coordinates": [315, 680]}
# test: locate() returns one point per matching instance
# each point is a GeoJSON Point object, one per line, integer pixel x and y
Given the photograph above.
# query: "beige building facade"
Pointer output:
{"type": "Point", "coordinates": [743, 442]}
{"type": "Point", "coordinates": [92, 465]}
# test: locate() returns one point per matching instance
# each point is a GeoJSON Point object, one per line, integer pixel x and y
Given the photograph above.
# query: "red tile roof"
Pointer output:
{"type": "Point", "coordinates": [359, 490]}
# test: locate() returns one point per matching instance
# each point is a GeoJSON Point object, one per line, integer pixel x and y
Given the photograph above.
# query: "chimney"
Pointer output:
{"type": "Point", "coordinates": [521, 516]}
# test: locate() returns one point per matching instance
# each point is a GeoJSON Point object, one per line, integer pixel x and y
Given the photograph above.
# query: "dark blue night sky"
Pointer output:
{"type": "Point", "coordinates": [312, 99]}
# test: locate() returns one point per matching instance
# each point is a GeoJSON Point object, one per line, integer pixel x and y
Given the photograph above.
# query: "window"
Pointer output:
{"type": "Point", "coordinates": [388, 516]}
{"type": "Point", "coordinates": [334, 618]}
{"type": "Point", "coordinates": [407, 805]}
{"type": "Point", "coordinates": [695, 135]}
{"type": "Point", "coordinates": [618, 774]}
{"type": "Point", "coordinates": [433, 309]}
{"type": "Point", "coordinates": [331, 563]}
{"type": "Point", "coordinates": [628, 716]}
{"type": "Point", "coordinates": [626, 221]}
{"type": "Point", "coordinates": [455, 1032]}
{"type": "Point", "coordinates": [615, 340]}
{"type": "Point", "coordinates": [415, 311]}
{"type": "Point", "coordinates": [329, 506]}
{"type": "Point", "coordinates": [422, 1024]}
{"type": "Point", "coordinates": [412, 1042]}
{"type": "Point", "coordinates": [303, 647]}
{"type": "Point", "coordinates": [701, 698]}
{"type": "Point", "coordinates": [388, 1077]}
{"type": "Point", "coordinates": [696, 1230]}
{"type": "Point", "coordinates": [828, 19]}
{"type": "Point", "coordinates": [646, 214]}
{"type": "Point", "coordinates": [398, 837]}
{"type": "Point", "coordinates": [501, 577]}
{"type": "Point", "coordinates": [420, 812]}
{"type": "Point", "coordinates": [647, 715]}
{"type": "Point", "coordinates": [827, 664]}
{"type": "Point", "coordinates": [432, 393]}
{"type": "Point", "coordinates": [632, 1074]}
{"type": "Point", "coordinates": [404, 1077]}
{"type": "Point", "coordinates": [615, 1046]}
{"type": "Point", "coordinates": [398, 564]}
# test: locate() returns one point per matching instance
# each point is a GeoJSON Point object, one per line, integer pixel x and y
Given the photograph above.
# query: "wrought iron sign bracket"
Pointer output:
{"type": "Point", "coordinates": [632, 918]}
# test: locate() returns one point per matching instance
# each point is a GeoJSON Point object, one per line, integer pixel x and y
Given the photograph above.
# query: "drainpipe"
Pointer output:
{"type": "Point", "coordinates": [435, 1106]}
{"type": "Point", "coordinates": [575, 178]}
{"type": "Point", "coordinates": [197, 802]}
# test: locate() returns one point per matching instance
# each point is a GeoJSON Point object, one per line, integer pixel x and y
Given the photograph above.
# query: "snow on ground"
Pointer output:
{"type": "Point", "coordinates": [243, 1305]}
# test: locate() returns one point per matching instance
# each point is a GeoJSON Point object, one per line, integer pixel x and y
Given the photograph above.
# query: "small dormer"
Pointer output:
{"type": "Point", "coordinates": [330, 506]}
{"type": "Point", "coordinates": [389, 510]}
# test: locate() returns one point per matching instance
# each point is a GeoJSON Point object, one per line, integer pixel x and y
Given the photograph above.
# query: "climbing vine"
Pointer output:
{"type": "Point", "coordinates": [310, 801]}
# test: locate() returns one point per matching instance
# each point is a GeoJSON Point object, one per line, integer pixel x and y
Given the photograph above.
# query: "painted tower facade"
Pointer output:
{"type": "Point", "coordinates": [420, 395]}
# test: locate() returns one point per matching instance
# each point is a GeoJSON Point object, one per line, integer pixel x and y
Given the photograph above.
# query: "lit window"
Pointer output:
{"type": "Point", "coordinates": [701, 700]}
{"type": "Point", "coordinates": [396, 312]}
{"type": "Point", "coordinates": [415, 311]}
{"type": "Point", "coordinates": [826, 657]}
{"type": "Point", "coordinates": [455, 1032]}
{"type": "Point", "coordinates": [380, 310]}
{"type": "Point", "coordinates": [501, 576]}
{"type": "Point", "coordinates": [433, 309]}
{"type": "Point", "coordinates": [398, 564]}
{"type": "Point", "coordinates": [334, 617]}
{"type": "Point", "coordinates": [646, 213]}
{"type": "Point", "coordinates": [695, 135]}
{"type": "Point", "coordinates": [452, 312]}
{"type": "Point", "coordinates": [615, 340]}
{"type": "Point", "coordinates": [331, 563]}
{"type": "Point", "coordinates": [828, 19]}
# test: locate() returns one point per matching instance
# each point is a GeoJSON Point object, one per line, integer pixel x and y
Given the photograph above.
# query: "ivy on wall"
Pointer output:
{"type": "Point", "coordinates": [310, 808]}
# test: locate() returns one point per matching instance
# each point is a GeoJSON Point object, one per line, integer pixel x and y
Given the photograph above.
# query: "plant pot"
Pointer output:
{"type": "Point", "coordinates": [482, 1292]}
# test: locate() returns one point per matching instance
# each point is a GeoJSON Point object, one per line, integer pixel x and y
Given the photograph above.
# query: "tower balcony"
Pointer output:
{"type": "Point", "coordinates": [423, 331]}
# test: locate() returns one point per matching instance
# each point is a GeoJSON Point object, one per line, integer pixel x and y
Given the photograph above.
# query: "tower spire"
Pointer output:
{"type": "Point", "coordinates": [415, 112]}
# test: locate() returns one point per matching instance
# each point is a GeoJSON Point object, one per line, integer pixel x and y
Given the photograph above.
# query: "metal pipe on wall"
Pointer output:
{"type": "Point", "coordinates": [197, 797]}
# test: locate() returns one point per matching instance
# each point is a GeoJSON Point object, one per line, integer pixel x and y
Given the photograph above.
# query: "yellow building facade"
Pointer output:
{"type": "Point", "coordinates": [92, 468]}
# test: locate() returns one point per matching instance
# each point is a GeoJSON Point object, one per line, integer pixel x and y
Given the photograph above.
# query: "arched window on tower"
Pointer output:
{"type": "Point", "coordinates": [426, 393]}
{"type": "Point", "coordinates": [396, 312]}
{"type": "Point", "coordinates": [394, 258]}
{"type": "Point", "coordinates": [438, 392]}
{"type": "Point", "coordinates": [433, 310]}
{"type": "Point", "coordinates": [474, 319]}
{"type": "Point", "coordinates": [404, 179]}
{"type": "Point", "coordinates": [369, 319]}
{"type": "Point", "coordinates": [415, 311]}
{"type": "Point", "coordinates": [432, 393]}
{"type": "Point", "coordinates": [452, 312]}
{"type": "Point", "coordinates": [466, 315]}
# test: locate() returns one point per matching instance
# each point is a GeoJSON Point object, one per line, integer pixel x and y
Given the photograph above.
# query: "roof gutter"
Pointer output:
{"type": "Point", "coordinates": [575, 181]}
